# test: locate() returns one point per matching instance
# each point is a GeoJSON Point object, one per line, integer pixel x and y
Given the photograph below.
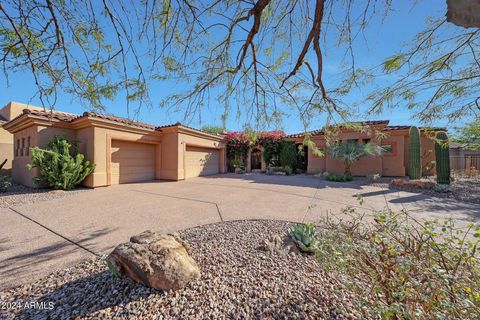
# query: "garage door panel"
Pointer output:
{"type": "Point", "coordinates": [201, 161]}
{"type": "Point", "coordinates": [131, 162]}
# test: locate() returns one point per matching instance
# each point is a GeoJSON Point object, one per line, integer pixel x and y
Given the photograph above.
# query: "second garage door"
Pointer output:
{"type": "Point", "coordinates": [201, 162]}
{"type": "Point", "coordinates": [131, 162]}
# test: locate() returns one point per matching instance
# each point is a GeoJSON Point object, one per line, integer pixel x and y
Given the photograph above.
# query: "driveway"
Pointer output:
{"type": "Point", "coordinates": [37, 239]}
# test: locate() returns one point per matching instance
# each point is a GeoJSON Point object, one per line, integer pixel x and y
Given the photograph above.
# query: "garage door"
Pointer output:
{"type": "Point", "coordinates": [132, 162]}
{"type": "Point", "coordinates": [201, 162]}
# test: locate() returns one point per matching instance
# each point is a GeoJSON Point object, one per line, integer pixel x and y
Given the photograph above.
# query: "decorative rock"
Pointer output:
{"type": "Point", "coordinates": [160, 261]}
{"type": "Point", "coordinates": [277, 245]}
{"type": "Point", "coordinates": [419, 184]}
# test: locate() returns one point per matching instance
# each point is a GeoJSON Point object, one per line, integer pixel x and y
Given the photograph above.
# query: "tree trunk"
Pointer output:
{"type": "Point", "coordinates": [348, 168]}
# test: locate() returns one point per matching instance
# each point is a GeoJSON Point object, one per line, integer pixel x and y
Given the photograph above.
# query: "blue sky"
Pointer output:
{"type": "Point", "coordinates": [385, 39]}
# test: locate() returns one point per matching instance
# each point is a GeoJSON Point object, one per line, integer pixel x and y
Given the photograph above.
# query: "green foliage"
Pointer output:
{"type": "Point", "coordinates": [236, 163]}
{"type": "Point", "coordinates": [272, 143]}
{"type": "Point", "coordinates": [213, 129]}
{"type": "Point", "coordinates": [469, 135]}
{"type": "Point", "coordinates": [305, 235]}
{"type": "Point", "coordinates": [351, 152]}
{"type": "Point", "coordinates": [414, 161]}
{"type": "Point", "coordinates": [442, 158]}
{"type": "Point", "coordinates": [393, 63]}
{"type": "Point", "coordinates": [60, 165]}
{"type": "Point", "coordinates": [288, 170]}
{"type": "Point", "coordinates": [113, 271]}
{"type": "Point", "coordinates": [338, 177]}
{"type": "Point", "coordinates": [5, 183]}
{"type": "Point", "coordinates": [403, 268]}
{"type": "Point", "coordinates": [443, 188]}
{"type": "Point", "coordinates": [288, 155]}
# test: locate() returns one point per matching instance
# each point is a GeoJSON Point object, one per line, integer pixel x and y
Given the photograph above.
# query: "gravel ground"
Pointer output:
{"type": "Point", "coordinates": [463, 189]}
{"type": "Point", "coordinates": [20, 195]}
{"type": "Point", "coordinates": [239, 281]}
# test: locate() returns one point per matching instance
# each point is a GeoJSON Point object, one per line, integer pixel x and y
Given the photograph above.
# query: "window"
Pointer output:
{"type": "Point", "coordinates": [352, 141]}
{"type": "Point", "coordinates": [17, 148]}
{"type": "Point", "coordinates": [365, 141]}
{"type": "Point", "coordinates": [389, 148]}
{"type": "Point", "coordinates": [28, 145]}
{"type": "Point", "coordinates": [23, 147]}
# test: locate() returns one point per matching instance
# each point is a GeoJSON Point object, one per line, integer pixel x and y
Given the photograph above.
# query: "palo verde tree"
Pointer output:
{"type": "Point", "coordinates": [248, 56]}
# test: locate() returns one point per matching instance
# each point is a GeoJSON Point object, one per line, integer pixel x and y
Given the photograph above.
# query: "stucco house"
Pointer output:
{"type": "Point", "coordinates": [127, 151]}
{"type": "Point", "coordinates": [393, 162]}
{"type": "Point", "coordinates": [123, 150]}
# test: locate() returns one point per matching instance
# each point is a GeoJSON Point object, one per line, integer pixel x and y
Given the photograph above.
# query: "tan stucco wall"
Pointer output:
{"type": "Point", "coordinates": [385, 165]}
{"type": "Point", "coordinates": [169, 156]}
{"type": "Point", "coordinates": [394, 164]}
{"type": "Point", "coordinates": [20, 174]}
{"type": "Point", "coordinates": [8, 112]}
{"type": "Point", "coordinates": [6, 148]}
{"type": "Point", "coordinates": [14, 109]}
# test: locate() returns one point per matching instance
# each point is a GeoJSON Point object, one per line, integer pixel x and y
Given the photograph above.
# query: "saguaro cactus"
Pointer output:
{"type": "Point", "coordinates": [414, 162]}
{"type": "Point", "coordinates": [442, 158]}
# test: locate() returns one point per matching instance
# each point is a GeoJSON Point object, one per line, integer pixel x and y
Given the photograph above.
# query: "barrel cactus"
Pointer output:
{"type": "Point", "coordinates": [442, 158]}
{"type": "Point", "coordinates": [414, 162]}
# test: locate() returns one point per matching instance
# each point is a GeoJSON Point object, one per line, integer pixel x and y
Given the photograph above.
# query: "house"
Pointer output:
{"type": "Point", "coordinates": [7, 113]}
{"type": "Point", "coordinates": [393, 162]}
{"type": "Point", "coordinates": [123, 150]}
{"type": "Point", "coordinates": [128, 151]}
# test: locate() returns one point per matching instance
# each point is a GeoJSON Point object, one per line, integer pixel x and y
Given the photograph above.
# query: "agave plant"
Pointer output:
{"type": "Point", "coordinates": [305, 235]}
{"type": "Point", "coordinates": [351, 152]}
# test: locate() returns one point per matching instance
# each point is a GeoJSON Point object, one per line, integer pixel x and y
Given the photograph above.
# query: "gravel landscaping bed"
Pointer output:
{"type": "Point", "coordinates": [20, 195]}
{"type": "Point", "coordinates": [239, 280]}
{"type": "Point", "coordinates": [463, 189]}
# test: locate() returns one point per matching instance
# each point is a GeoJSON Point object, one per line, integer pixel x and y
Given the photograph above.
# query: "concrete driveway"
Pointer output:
{"type": "Point", "coordinates": [37, 239]}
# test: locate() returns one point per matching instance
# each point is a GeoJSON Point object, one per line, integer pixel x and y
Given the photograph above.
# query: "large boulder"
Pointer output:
{"type": "Point", "coordinates": [160, 261]}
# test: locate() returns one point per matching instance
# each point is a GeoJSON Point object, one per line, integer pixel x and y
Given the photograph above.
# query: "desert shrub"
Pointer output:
{"type": "Point", "coordinates": [443, 188]}
{"type": "Point", "coordinates": [288, 155]}
{"type": "Point", "coordinates": [338, 177]}
{"type": "Point", "coordinates": [402, 268]}
{"type": "Point", "coordinates": [288, 170]}
{"type": "Point", "coordinates": [60, 165]}
{"type": "Point", "coordinates": [305, 235]}
{"type": "Point", "coordinates": [5, 183]}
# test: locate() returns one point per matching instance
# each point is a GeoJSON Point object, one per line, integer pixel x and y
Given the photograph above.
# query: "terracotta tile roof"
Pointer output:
{"type": "Point", "coordinates": [302, 134]}
{"type": "Point", "coordinates": [62, 116]}
{"type": "Point", "coordinates": [159, 128]}
{"type": "Point", "coordinates": [121, 120]}
{"type": "Point", "coordinates": [393, 128]}
{"type": "Point", "coordinates": [320, 132]}
{"type": "Point", "coordinates": [69, 117]}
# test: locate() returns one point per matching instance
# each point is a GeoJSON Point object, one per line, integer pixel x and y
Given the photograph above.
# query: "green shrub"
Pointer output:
{"type": "Point", "coordinates": [60, 165]}
{"type": "Point", "coordinates": [236, 163]}
{"type": "Point", "coordinates": [288, 170]}
{"type": "Point", "coordinates": [5, 183]}
{"type": "Point", "coordinates": [338, 177]}
{"type": "Point", "coordinates": [402, 268]}
{"type": "Point", "coordinates": [305, 235]}
{"type": "Point", "coordinates": [443, 188]}
{"type": "Point", "coordinates": [288, 155]}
